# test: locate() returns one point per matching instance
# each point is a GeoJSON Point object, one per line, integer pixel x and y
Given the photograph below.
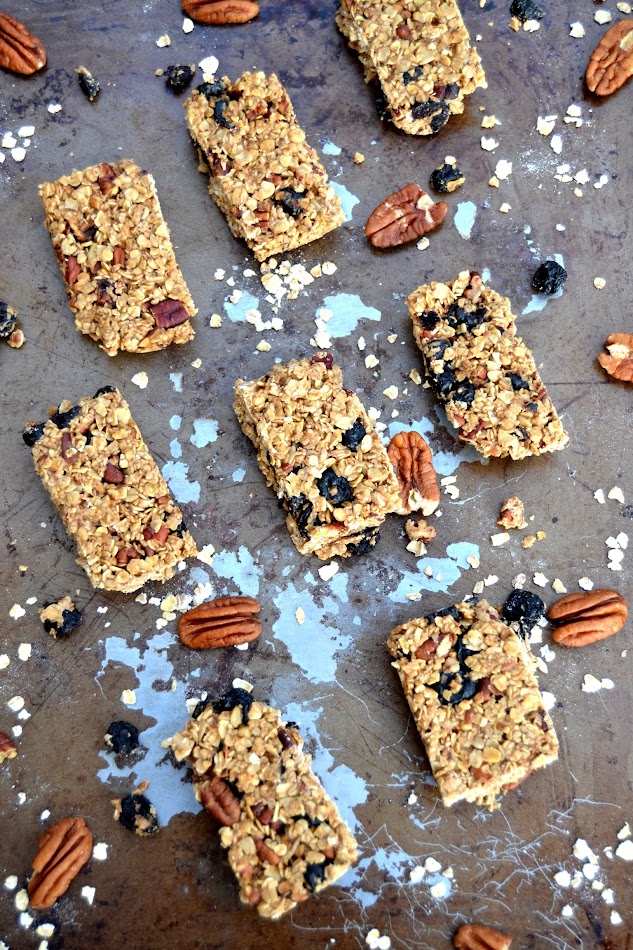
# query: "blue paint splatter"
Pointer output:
{"type": "Point", "coordinates": [175, 448]}
{"type": "Point", "coordinates": [312, 645]}
{"type": "Point", "coordinates": [238, 474]}
{"type": "Point", "coordinates": [237, 311]}
{"type": "Point", "coordinates": [240, 568]}
{"type": "Point", "coordinates": [539, 301]}
{"type": "Point", "coordinates": [464, 219]}
{"type": "Point", "coordinates": [204, 431]}
{"type": "Point", "coordinates": [347, 310]}
{"type": "Point", "coordinates": [175, 422]}
{"type": "Point", "coordinates": [175, 474]}
{"type": "Point", "coordinates": [485, 275]}
{"type": "Point", "coordinates": [176, 379]}
{"type": "Point", "coordinates": [348, 200]}
{"type": "Point", "coordinates": [329, 148]}
{"type": "Point", "coordinates": [450, 568]}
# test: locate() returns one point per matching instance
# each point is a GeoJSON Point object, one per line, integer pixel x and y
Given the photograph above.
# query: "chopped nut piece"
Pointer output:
{"type": "Point", "coordinates": [359, 158]}
{"type": "Point", "coordinates": [7, 748]}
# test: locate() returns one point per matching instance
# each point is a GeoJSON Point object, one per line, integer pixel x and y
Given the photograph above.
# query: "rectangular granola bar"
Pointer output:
{"type": "Point", "coordinates": [420, 53]}
{"type": "Point", "coordinates": [115, 253]}
{"type": "Point", "coordinates": [318, 449]}
{"type": "Point", "coordinates": [285, 837]}
{"type": "Point", "coordinates": [263, 175]}
{"type": "Point", "coordinates": [483, 373]}
{"type": "Point", "coordinates": [469, 681]}
{"type": "Point", "coordinates": [110, 494]}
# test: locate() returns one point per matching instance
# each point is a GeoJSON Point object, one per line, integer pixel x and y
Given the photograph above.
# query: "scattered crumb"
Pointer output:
{"type": "Point", "coordinates": [556, 144]}
{"type": "Point", "coordinates": [87, 892]}
{"type": "Point", "coordinates": [359, 158]}
{"type": "Point", "coordinates": [300, 615]}
{"type": "Point", "coordinates": [128, 696]}
{"type": "Point", "coordinates": [498, 539]}
{"type": "Point", "coordinates": [187, 25]}
{"type": "Point", "coordinates": [615, 494]}
{"type": "Point", "coordinates": [328, 571]}
{"type": "Point", "coordinates": [391, 392]}
{"type": "Point", "coordinates": [599, 283]}
{"type": "Point", "coordinates": [558, 586]}
{"type": "Point", "coordinates": [163, 41]}
{"type": "Point", "coordinates": [599, 496]}
{"type": "Point", "coordinates": [503, 169]}
{"type": "Point", "coordinates": [488, 143]}
{"type": "Point", "coordinates": [141, 379]}
{"type": "Point", "coordinates": [602, 17]}
{"type": "Point", "coordinates": [577, 30]}
{"type": "Point", "coordinates": [505, 207]}
{"type": "Point", "coordinates": [540, 580]}
{"type": "Point", "coordinates": [625, 850]}
{"type": "Point", "coordinates": [591, 684]}
{"type": "Point", "coordinates": [512, 513]}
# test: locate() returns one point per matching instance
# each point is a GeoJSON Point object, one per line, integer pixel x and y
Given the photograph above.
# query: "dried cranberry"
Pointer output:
{"type": "Point", "coordinates": [169, 313]}
{"type": "Point", "coordinates": [354, 436]}
{"type": "Point", "coordinates": [113, 475]}
{"type": "Point", "coordinates": [122, 737]}
{"type": "Point", "coordinates": [446, 179]}
{"type": "Point", "coordinates": [179, 76]}
{"type": "Point", "coordinates": [326, 358]}
{"type": "Point", "coordinates": [333, 487]}
{"type": "Point", "coordinates": [549, 277]}
{"type": "Point", "coordinates": [524, 608]}
{"type": "Point", "coordinates": [525, 10]}
{"type": "Point", "coordinates": [234, 697]}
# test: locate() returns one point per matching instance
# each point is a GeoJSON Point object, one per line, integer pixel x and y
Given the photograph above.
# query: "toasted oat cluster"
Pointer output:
{"type": "Point", "coordinates": [469, 682]}
{"type": "Point", "coordinates": [483, 373]}
{"type": "Point", "coordinates": [285, 837]}
{"type": "Point", "coordinates": [420, 53]}
{"type": "Point", "coordinates": [110, 493]}
{"type": "Point", "coordinates": [263, 175]}
{"type": "Point", "coordinates": [318, 449]}
{"type": "Point", "coordinates": [115, 253]}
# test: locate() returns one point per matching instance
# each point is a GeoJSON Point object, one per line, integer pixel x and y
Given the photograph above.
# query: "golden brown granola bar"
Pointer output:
{"type": "Point", "coordinates": [263, 175]}
{"type": "Point", "coordinates": [469, 681]}
{"type": "Point", "coordinates": [284, 835]}
{"type": "Point", "coordinates": [115, 253]}
{"type": "Point", "coordinates": [484, 373]}
{"type": "Point", "coordinates": [318, 449]}
{"type": "Point", "coordinates": [110, 494]}
{"type": "Point", "coordinates": [420, 52]}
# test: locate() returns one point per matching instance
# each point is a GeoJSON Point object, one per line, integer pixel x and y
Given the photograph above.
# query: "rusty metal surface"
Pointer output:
{"type": "Point", "coordinates": [176, 890]}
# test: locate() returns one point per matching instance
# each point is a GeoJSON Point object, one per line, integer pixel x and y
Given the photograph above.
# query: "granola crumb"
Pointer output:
{"type": "Point", "coordinates": [359, 158]}
{"type": "Point", "coordinates": [512, 513]}
{"type": "Point", "coordinates": [528, 541]}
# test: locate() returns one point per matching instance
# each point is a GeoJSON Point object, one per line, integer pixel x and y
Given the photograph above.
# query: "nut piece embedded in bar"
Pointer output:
{"type": "Point", "coordinates": [63, 851]}
{"type": "Point", "coordinates": [223, 622]}
{"type": "Point", "coordinates": [404, 216]}
{"type": "Point", "coordinates": [611, 63]}
{"type": "Point", "coordinates": [478, 937]}
{"type": "Point", "coordinates": [413, 462]}
{"type": "Point", "coordinates": [586, 618]}
{"type": "Point", "coordinates": [219, 800]}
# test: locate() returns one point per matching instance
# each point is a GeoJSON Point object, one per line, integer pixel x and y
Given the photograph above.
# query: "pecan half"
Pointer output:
{"type": "Point", "coordinates": [220, 11]}
{"type": "Point", "coordinates": [587, 618]}
{"type": "Point", "coordinates": [219, 800]}
{"type": "Point", "coordinates": [618, 360]}
{"type": "Point", "coordinates": [19, 50]}
{"type": "Point", "coordinates": [404, 216]}
{"type": "Point", "coordinates": [478, 937]}
{"type": "Point", "coordinates": [611, 63]}
{"type": "Point", "coordinates": [63, 851]}
{"type": "Point", "coordinates": [169, 313]}
{"type": "Point", "coordinates": [7, 748]}
{"type": "Point", "coordinates": [413, 462]}
{"type": "Point", "coordinates": [223, 622]}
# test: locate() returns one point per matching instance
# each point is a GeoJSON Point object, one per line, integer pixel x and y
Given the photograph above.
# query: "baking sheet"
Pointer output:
{"type": "Point", "coordinates": [332, 673]}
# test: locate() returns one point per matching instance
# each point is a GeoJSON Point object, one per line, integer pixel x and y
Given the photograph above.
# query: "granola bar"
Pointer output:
{"type": "Point", "coordinates": [483, 373]}
{"type": "Point", "coordinates": [285, 837]}
{"type": "Point", "coordinates": [110, 494]}
{"type": "Point", "coordinates": [115, 253]}
{"type": "Point", "coordinates": [318, 449]}
{"type": "Point", "coordinates": [263, 175]}
{"type": "Point", "coordinates": [420, 53]}
{"type": "Point", "coordinates": [469, 681]}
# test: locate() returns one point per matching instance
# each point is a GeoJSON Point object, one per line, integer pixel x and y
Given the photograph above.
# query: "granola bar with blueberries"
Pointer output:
{"type": "Point", "coordinates": [469, 681]}
{"type": "Point", "coordinates": [109, 492]}
{"type": "Point", "coordinates": [318, 449]}
{"type": "Point", "coordinates": [115, 253]}
{"type": "Point", "coordinates": [284, 836]}
{"type": "Point", "coordinates": [265, 178]}
{"type": "Point", "coordinates": [482, 372]}
{"type": "Point", "coordinates": [420, 53]}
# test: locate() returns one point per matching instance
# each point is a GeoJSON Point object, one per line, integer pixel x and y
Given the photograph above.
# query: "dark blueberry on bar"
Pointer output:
{"type": "Point", "coordinates": [429, 319]}
{"type": "Point", "coordinates": [518, 382]}
{"type": "Point", "coordinates": [354, 436]}
{"type": "Point", "coordinates": [33, 433]}
{"type": "Point", "coordinates": [525, 10]}
{"type": "Point", "coordinates": [333, 487]}
{"type": "Point", "coordinates": [446, 612]}
{"type": "Point", "coordinates": [8, 320]}
{"type": "Point", "coordinates": [180, 530]}
{"type": "Point", "coordinates": [234, 697]}
{"type": "Point", "coordinates": [199, 708]}
{"type": "Point", "coordinates": [523, 608]}
{"type": "Point", "coordinates": [218, 114]}
{"type": "Point", "coordinates": [63, 419]}
{"type": "Point", "coordinates": [122, 737]}
{"type": "Point", "coordinates": [300, 508]}
{"type": "Point", "coordinates": [315, 874]}
{"type": "Point", "coordinates": [444, 383]}
{"type": "Point", "coordinates": [212, 90]}
{"type": "Point", "coordinates": [413, 76]}
{"type": "Point", "coordinates": [179, 76]}
{"type": "Point", "coordinates": [365, 544]}
{"type": "Point", "coordinates": [446, 178]}
{"type": "Point", "coordinates": [291, 202]}
{"type": "Point", "coordinates": [104, 391]}
{"type": "Point", "coordinates": [382, 106]}
{"type": "Point", "coordinates": [464, 392]}
{"type": "Point", "coordinates": [439, 121]}
{"type": "Point", "coordinates": [549, 277]}
{"type": "Point", "coordinates": [422, 110]}
{"type": "Point", "coordinates": [455, 315]}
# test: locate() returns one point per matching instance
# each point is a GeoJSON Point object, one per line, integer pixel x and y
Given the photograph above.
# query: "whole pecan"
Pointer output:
{"type": "Point", "coordinates": [611, 63]}
{"type": "Point", "coordinates": [63, 851]}
{"type": "Point", "coordinates": [404, 216]}
{"type": "Point", "coordinates": [19, 50]}
{"type": "Point", "coordinates": [588, 617]}
{"type": "Point", "coordinates": [413, 462]}
{"type": "Point", "coordinates": [478, 937]}
{"type": "Point", "coordinates": [618, 360]}
{"type": "Point", "coordinates": [7, 747]}
{"type": "Point", "coordinates": [220, 11]}
{"type": "Point", "coordinates": [223, 622]}
{"type": "Point", "coordinates": [219, 800]}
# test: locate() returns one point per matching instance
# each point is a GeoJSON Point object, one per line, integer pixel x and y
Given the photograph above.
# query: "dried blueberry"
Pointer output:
{"type": "Point", "coordinates": [444, 383]}
{"type": "Point", "coordinates": [218, 114]}
{"type": "Point", "coordinates": [517, 382]}
{"type": "Point", "coordinates": [122, 737]}
{"type": "Point", "coordinates": [179, 76]}
{"type": "Point", "coordinates": [33, 433]}
{"type": "Point", "coordinates": [440, 120]}
{"type": "Point", "coordinates": [354, 436]}
{"type": "Point", "coordinates": [436, 348]}
{"type": "Point", "coordinates": [212, 90]}
{"type": "Point", "coordinates": [315, 874]}
{"type": "Point", "coordinates": [525, 10]}
{"type": "Point", "coordinates": [455, 315]}
{"type": "Point", "coordinates": [452, 91]}
{"type": "Point", "coordinates": [333, 487]}
{"type": "Point", "coordinates": [8, 320]}
{"type": "Point", "coordinates": [199, 708]}
{"type": "Point", "coordinates": [474, 318]}
{"type": "Point", "coordinates": [139, 815]}
{"type": "Point", "coordinates": [413, 76]}
{"type": "Point", "coordinates": [234, 697]}
{"type": "Point", "coordinates": [382, 105]}
{"type": "Point", "coordinates": [180, 530]}
{"type": "Point", "coordinates": [429, 319]}
{"type": "Point", "coordinates": [524, 608]}
{"type": "Point", "coordinates": [88, 84]}
{"type": "Point", "coordinates": [63, 419]}
{"type": "Point", "coordinates": [465, 392]}
{"type": "Point", "coordinates": [422, 110]}
{"type": "Point", "coordinates": [446, 612]}
{"type": "Point", "coordinates": [104, 390]}
{"type": "Point", "coordinates": [312, 822]}
{"type": "Point", "coordinates": [300, 508]}
{"type": "Point", "coordinates": [446, 178]}
{"type": "Point", "coordinates": [467, 690]}
{"type": "Point", "coordinates": [532, 406]}
{"type": "Point", "coordinates": [371, 537]}
{"type": "Point", "coordinates": [549, 277]}
{"type": "Point", "coordinates": [70, 620]}
{"type": "Point", "coordinates": [291, 202]}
